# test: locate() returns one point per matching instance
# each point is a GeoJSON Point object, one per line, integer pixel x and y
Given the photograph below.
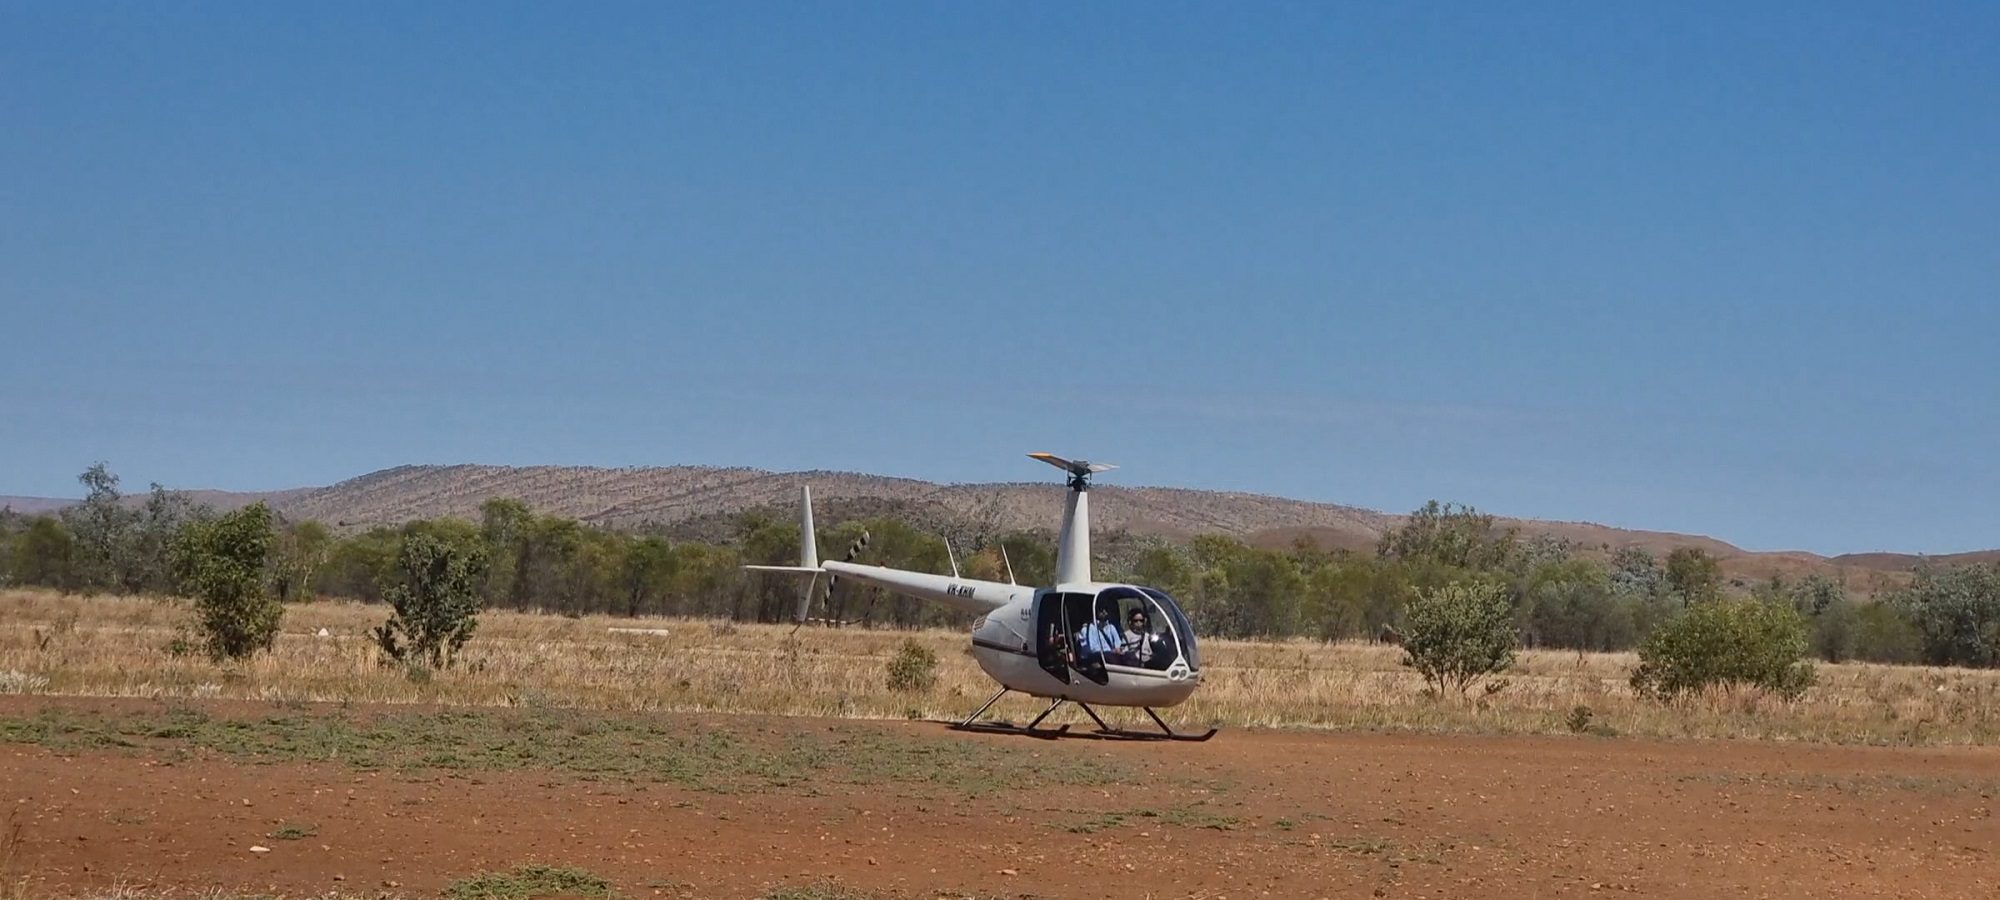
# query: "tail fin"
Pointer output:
{"type": "Point", "coordinates": [808, 556]}
{"type": "Point", "coordinates": [808, 544]}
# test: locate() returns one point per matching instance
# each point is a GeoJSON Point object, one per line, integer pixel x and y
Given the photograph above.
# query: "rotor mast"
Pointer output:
{"type": "Point", "coordinates": [1073, 547]}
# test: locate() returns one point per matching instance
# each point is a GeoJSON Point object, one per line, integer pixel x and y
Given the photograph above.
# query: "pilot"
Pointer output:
{"type": "Point", "coordinates": [1101, 637]}
{"type": "Point", "coordinates": [1143, 646]}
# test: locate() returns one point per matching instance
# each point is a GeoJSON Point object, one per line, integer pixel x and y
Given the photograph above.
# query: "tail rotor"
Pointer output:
{"type": "Point", "coordinates": [809, 560]}
{"type": "Point", "coordinates": [853, 550]}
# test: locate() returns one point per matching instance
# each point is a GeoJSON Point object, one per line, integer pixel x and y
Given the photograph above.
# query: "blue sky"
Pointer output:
{"type": "Point", "coordinates": [1688, 267]}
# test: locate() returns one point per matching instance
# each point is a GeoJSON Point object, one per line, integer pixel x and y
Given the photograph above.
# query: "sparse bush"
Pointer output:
{"type": "Point", "coordinates": [1726, 643]}
{"type": "Point", "coordinates": [819, 890]}
{"type": "Point", "coordinates": [293, 832]}
{"type": "Point", "coordinates": [221, 563]}
{"type": "Point", "coordinates": [1458, 634]}
{"type": "Point", "coordinates": [528, 882]}
{"type": "Point", "coordinates": [1583, 720]}
{"type": "Point", "coordinates": [437, 603]}
{"type": "Point", "coordinates": [913, 668]}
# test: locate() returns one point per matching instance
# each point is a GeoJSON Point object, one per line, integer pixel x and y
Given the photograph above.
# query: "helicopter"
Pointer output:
{"type": "Point", "coordinates": [1079, 641]}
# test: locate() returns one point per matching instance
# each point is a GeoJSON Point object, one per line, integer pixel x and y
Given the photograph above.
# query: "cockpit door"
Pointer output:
{"type": "Point", "coordinates": [1052, 641]}
{"type": "Point", "coordinates": [1080, 613]}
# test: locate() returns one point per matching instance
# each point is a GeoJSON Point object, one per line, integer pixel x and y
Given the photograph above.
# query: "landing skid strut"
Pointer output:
{"type": "Point", "coordinates": [1166, 732]}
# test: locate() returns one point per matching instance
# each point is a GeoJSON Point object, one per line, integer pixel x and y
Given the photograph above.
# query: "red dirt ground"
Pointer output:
{"type": "Point", "coordinates": [1315, 815]}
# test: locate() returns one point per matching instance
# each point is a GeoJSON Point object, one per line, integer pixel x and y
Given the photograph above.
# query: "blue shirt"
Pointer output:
{"type": "Point", "coordinates": [1100, 637]}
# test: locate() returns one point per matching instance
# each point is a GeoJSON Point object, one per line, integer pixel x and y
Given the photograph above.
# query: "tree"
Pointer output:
{"type": "Point", "coordinates": [1726, 643]}
{"type": "Point", "coordinates": [1263, 594]}
{"type": "Point", "coordinates": [771, 542]}
{"type": "Point", "coordinates": [436, 603]}
{"type": "Point", "coordinates": [1693, 575]}
{"type": "Point", "coordinates": [1032, 556]}
{"type": "Point", "coordinates": [221, 563]}
{"type": "Point", "coordinates": [1957, 614]}
{"type": "Point", "coordinates": [1816, 594]}
{"type": "Point", "coordinates": [1636, 574]}
{"type": "Point", "coordinates": [1881, 633]}
{"type": "Point", "coordinates": [359, 566]}
{"type": "Point", "coordinates": [1349, 595]}
{"type": "Point", "coordinates": [102, 527]}
{"type": "Point", "coordinates": [1450, 535]}
{"type": "Point", "coordinates": [704, 577]}
{"type": "Point", "coordinates": [504, 524]}
{"type": "Point", "coordinates": [152, 535]}
{"type": "Point", "coordinates": [1459, 633]}
{"type": "Point", "coordinates": [646, 574]}
{"type": "Point", "coordinates": [302, 550]}
{"type": "Point", "coordinates": [44, 555]}
{"type": "Point", "coordinates": [1571, 604]}
{"type": "Point", "coordinates": [10, 528]}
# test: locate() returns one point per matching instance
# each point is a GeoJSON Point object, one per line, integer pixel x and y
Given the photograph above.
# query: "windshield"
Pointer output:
{"type": "Point", "coordinates": [1139, 630]}
{"type": "Point", "coordinates": [1182, 628]}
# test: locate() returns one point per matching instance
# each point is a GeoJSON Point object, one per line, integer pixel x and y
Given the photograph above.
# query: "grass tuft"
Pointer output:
{"type": "Point", "coordinates": [528, 882]}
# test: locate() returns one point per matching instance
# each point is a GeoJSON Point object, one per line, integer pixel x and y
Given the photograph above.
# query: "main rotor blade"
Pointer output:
{"type": "Point", "coordinates": [1074, 467]}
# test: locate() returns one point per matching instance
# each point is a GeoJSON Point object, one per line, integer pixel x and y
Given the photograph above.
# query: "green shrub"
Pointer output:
{"type": "Point", "coordinates": [1726, 643]}
{"type": "Point", "coordinates": [437, 603]}
{"type": "Point", "coordinates": [1883, 634]}
{"type": "Point", "coordinates": [221, 563]}
{"type": "Point", "coordinates": [1459, 633]}
{"type": "Point", "coordinates": [529, 882]}
{"type": "Point", "coordinates": [1869, 631]}
{"type": "Point", "coordinates": [1957, 612]}
{"type": "Point", "coordinates": [913, 669]}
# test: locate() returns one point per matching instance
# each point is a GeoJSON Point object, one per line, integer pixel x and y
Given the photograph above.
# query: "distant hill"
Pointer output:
{"type": "Point", "coordinates": [666, 497]}
{"type": "Point", "coordinates": [704, 501]}
{"type": "Point", "coordinates": [29, 506]}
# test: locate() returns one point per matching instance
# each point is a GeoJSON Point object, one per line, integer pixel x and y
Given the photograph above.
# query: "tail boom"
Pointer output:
{"type": "Point", "coordinates": [969, 594]}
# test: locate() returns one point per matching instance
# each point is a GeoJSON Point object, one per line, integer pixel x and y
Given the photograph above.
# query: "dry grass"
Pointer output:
{"type": "Point", "coordinates": [14, 871]}
{"type": "Point", "coordinates": [118, 647]}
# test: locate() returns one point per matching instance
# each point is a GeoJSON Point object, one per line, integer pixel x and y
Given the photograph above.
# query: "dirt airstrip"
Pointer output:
{"type": "Point", "coordinates": [138, 795]}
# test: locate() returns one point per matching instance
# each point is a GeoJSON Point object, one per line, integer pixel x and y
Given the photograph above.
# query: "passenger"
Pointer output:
{"type": "Point", "coordinates": [1101, 637]}
{"type": "Point", "coordinates": [1144, 646]}
{"type": "Point", "coordinates": [1059, 649]}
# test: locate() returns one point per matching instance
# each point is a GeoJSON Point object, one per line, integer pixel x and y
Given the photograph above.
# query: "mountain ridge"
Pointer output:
{"type": "Point", "coordinates": [703, 499]}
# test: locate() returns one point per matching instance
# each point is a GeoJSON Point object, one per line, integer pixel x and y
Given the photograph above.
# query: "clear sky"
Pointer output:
{"type": "Point", "coordinates": [1725, 268]}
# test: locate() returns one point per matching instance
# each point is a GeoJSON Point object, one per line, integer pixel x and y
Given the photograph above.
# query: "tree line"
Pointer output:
{"type": "Point", "coordinates": [1556, 594]}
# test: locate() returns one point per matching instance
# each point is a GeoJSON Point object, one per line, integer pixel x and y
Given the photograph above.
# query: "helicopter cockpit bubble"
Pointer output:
{"type": "Point", "coordinates": [1156, 634]}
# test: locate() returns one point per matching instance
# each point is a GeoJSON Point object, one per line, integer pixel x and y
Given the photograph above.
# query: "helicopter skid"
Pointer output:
{"type": "Point", "coordinates": [1047, 734]}
{"type": "Point", "coordinates": [1166, 732]}
{"type": "Point", "coordinates": [1103, 732]}
{"type": "Point", "coordinates": [972, 722]}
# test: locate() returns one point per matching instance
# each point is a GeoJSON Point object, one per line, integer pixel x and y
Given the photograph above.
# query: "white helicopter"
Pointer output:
{"type": "Point", "coordinates": [1080, 641]}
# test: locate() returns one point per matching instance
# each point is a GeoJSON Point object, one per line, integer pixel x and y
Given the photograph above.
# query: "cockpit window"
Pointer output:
{"type": "Point", "coordinates": [1182, 628]}
{"type": "Point", "coordinates": [1151, 634]}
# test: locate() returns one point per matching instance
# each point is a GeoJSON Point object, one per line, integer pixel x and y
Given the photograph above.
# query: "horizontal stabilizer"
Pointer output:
{"type": "Point", "coordinates": [802, 570]}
